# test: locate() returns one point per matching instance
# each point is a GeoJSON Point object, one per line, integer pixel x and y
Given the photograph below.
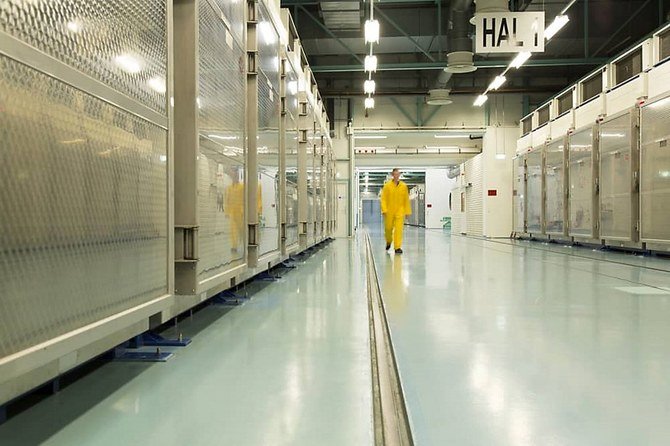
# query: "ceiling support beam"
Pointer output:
{"type": "Point", "coordinates": [411, 66]}
{"type": "Point", "coordinates": [615, 33]}
{"type": "Point", "coordinates": [332, 35]}
{"type": "Point", "coordinates": [402, 31]}
{"type": "Point", "coordinates": [402, 110]}
{"type": "Point", "coordinates": [431, 115]}
{"type": "Point", "coordinates": [586, 28]}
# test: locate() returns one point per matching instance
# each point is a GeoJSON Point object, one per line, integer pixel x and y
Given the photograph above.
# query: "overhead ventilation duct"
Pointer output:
{"type": "Point", "coordinates": [460, 56]}
{"type": "Point", "coordinates": [440, 94]}
{"type": "Point", "coordinates": [487, 6]}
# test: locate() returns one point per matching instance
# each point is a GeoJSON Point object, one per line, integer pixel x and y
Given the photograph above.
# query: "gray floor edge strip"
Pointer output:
{"type": "Point", "coordinates": [391, 420]}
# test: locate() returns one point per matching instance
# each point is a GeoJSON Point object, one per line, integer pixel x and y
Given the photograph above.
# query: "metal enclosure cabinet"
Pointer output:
{"type": "Point", "coordinates": [263, 201]}
{"type": "Point", "coordinates": [210, 228]}
{"type": "Point", "coordinates": [619, 176]}
{"type": "Point", "coordinates": [291, 73]}
{"type": "Point", "coordinates": [655, 172]}
{"type": "Point", "coordinates": [555, 184]}
{"type": "Point", "coordinates": [534, 188]}
{"type": "Point", "coordinates": [583, 181]}
{"type": "Point", "coordinates": [519, 194]}
{"type": "Point", "coordinates": [85, 238]}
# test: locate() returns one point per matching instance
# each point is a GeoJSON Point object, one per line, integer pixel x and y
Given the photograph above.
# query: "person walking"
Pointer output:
{"type": "Point", "coordinates": [395, 206]}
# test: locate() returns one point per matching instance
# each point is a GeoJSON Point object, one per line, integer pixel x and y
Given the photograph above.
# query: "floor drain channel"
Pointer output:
{"type": "Point", "coordinates": [391, 422]}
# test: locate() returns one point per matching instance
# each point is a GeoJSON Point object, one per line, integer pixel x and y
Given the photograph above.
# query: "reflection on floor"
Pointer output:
{"type": "Point", "coordinates": [290, 367]}
{"type": "Point", "coordinates": [515, 344]}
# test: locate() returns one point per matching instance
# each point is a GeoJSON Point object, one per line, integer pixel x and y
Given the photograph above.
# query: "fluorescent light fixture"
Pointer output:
{"type": "Point", "coordinates": [451, 136]}
{"type": "Point", "coordinates": [74, 26]}
{"type": "Point", "coordinates": [369, 86]}
{"type": "Point", "coordinates": [520, 59]}
{"type": "Point", "coordinates": [558, 23]}
{"type": "Point", "coordinates": [370, 136]}
{"type": "Point", "coordinates": [128, 63]}
{"type": "Point", "coordinates": [225, 138]}
{"type": "Point", "coordinates": [370, 63]}
{"type": "Point", "coordinates": [370, 103]}
{"type": "Point", "coordinates": [613, 135]}
{"type": "Point", "coordinates": [500, 156]}
{"type": "Point", "coordinates": [497, 82]}
{"type": "Point", "coordinates": [481, 100]}
{"type": "Point", "coordinates": [157, 84]}
{"type": "Point", "coordinates": [443, 147]}
{"type": "Point", "coordinates": [371, 31]}
{"type": "Point", "coordinates": [163, 158]}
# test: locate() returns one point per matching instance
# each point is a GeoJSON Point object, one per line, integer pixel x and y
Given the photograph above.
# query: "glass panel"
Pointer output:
{"type": "Point", "coordinates": [519, 195]}
{"type": "Point", "coordinates": [664, 39]}
{"type": "Point", "coordinates": [655, 171]}
{"type": "Point", "coordinates": [581, 183]}
{"type": "Point", "coordinates": [592, 87]}
{"type": "Point", "coordinates": [120, 43]}
{"type": "Point", "coordinates": [543, 115]}
{"type": "Point", "coordinates": [615, 178]}
{"type": "Point", "coordinates": [527, 125]}
{"type": "Point", "coordinates": [268, 165]}
{"type": "Point", "coordinates": [83, 208]}
{"type": "Point", "coordinates": [565, 102]}
{"type": "Point", "coordinates": [554, 171]}
{"type": "Point", "coordinates": [629, 66]}
{"type": "Point", "coordinates": [534, 191]}
{"type": "Point", "coordinates": [221, 192]}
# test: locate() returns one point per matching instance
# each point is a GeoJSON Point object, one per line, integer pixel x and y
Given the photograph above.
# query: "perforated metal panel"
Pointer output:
{"type": "Point", "coordinates": [655, 171]}
{"type": "Point", "coordinates": [582, 179]}
{"type": "Point", "coordinates": [555, 205]}
{"type": "Point", "coordinates": [233, 15]}
{"type": "Point", "coordinates": [291, 213]}
{"type": "Point", "coordinates": [268, 162]}
{"type": "Point", "coordinates": [268, 211]}
{"type": "Point", "coordinates": [83, 199]}
{"type": "Point", "coordinates": [121, 43]}
{"type": "Point", "coordinates": [518, 195]}
{"type": "Point", "coordinates": [534, 220]}
{"type": "Point", "coordinates": [474, 196]}
{"type": "Point", "coordinates": [221, 124]}
{"type": "Point", "coordinates": [268, 47]}
{"type": "Point", "coordinates": [618, 170]}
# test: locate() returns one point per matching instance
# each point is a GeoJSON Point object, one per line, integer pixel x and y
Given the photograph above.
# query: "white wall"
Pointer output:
{"type": "Point", "coordinates": [497, 176]}
{"type": "Point", "coordinates": [438, 188]}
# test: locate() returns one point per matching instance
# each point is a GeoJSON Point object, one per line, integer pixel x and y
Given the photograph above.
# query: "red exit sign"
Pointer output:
{"type": "Point", "coordinates": [493, 192]}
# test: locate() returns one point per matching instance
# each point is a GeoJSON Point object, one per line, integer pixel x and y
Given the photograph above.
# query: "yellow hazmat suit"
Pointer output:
{"type": "Point", "coordinates": [395, 206]}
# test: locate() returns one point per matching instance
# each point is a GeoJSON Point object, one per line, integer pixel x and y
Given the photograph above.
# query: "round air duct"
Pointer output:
{"type": "Point", "coordinates": [439, 96]}
{"type": "Point", "coordinates": [460, 62]}
{"type": "Point", "coordinates": [486, 6]}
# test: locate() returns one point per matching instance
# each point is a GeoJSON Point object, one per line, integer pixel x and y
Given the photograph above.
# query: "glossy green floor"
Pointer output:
{"type": "Point", "coordinates": [519, 344]}
{"type": "Point", "coordinates": [290, 367]}
{"type": "Point", "coordinates": [497, 343]}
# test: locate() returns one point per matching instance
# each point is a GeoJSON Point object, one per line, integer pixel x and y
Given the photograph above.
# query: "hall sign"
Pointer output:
{"type": "Point", "coordinates": [510, 32]}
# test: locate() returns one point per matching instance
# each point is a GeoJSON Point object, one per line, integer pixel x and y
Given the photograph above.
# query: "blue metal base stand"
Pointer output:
{"type": "Point", "coordinates": [266, 276]}
{"type": "Point", "coordinates": [229, 298]}
{"type": "Point", "coordinates": [121, 354]}
{"type": "Point", "coordinates": [149, 339]}
{"type": "Point", "coordinates": [286, 264]}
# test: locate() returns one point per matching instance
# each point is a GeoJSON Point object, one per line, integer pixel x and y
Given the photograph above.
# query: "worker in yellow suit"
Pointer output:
{"type": "Point", "coordinates": [395, 206]}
